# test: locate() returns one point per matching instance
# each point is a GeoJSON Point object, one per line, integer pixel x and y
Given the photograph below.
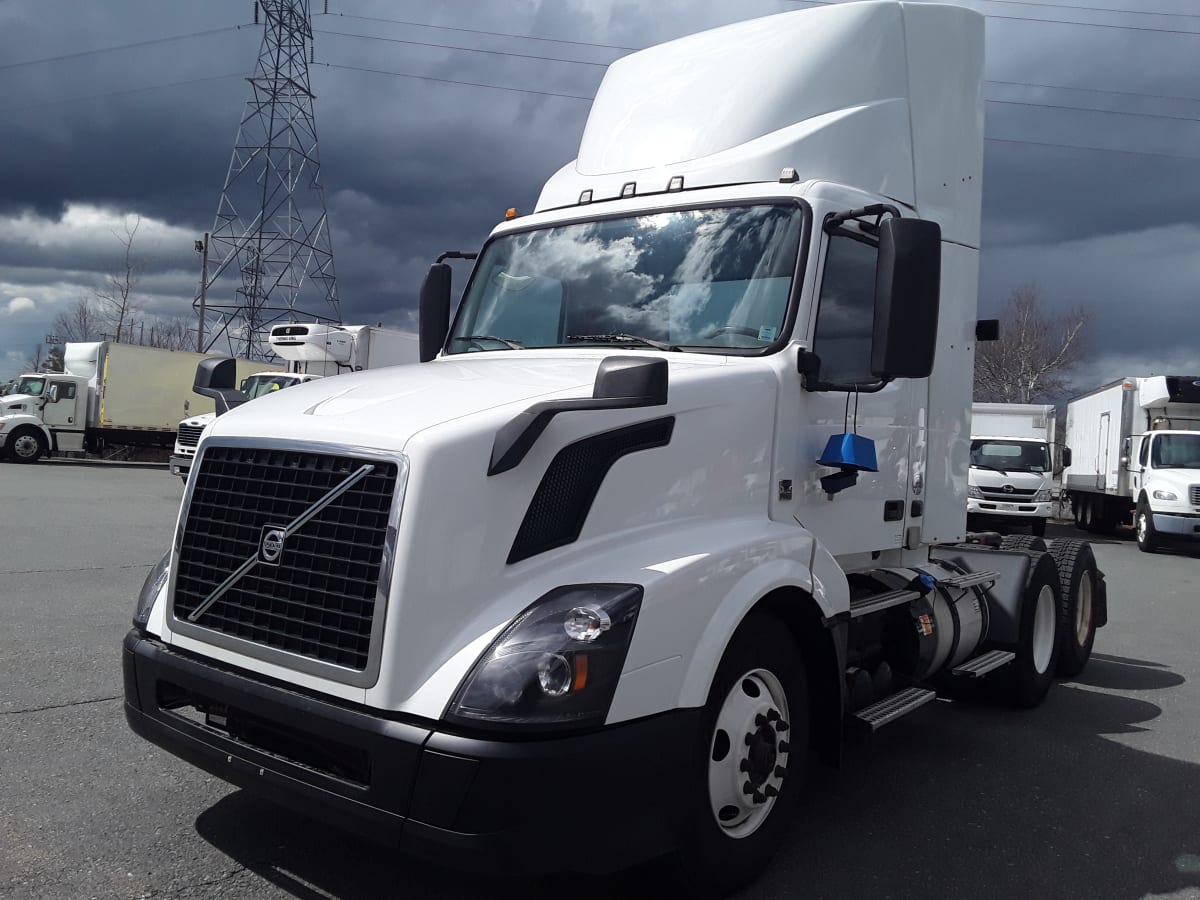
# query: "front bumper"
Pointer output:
{"type": "Point", "coordinates": [181, 465]}
{"type": "Point", "coordinates": [593, 803]}
{"type": "Point", "coordinates": [1012, 512]}
{"type": "Point", "coordinates": [1180, 526]}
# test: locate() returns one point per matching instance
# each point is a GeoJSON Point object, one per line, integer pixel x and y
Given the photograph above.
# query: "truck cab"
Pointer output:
{"type": "Point", "coordinates": [46, 412]}
{"type": "Point", "coordinates": [1164, 473]}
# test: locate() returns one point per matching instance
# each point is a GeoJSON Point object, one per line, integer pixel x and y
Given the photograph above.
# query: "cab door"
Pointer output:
{"type": "Point", "coordinates": [62, 415]}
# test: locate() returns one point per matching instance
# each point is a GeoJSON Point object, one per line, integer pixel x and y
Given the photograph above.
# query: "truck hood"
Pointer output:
{"type": "Point", "coordinates": [1024, 480]}
{"type": "Point", "coordinates": [385, 408]}
{"type": "Point", "coordinates": [17, 403]}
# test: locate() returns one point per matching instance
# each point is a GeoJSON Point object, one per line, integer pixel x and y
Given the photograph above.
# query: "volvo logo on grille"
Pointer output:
{"type": "Point", "coordinates": [1008, 489]}
{"type": "Point", "coordinates": [270, 544]}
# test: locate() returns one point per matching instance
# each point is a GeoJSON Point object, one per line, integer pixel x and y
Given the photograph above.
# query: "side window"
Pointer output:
{"type": "Point", "coordinates": [846, 312]}
{"type": "Point", "coordinates": [66, 390]}
{"type": "Point", "coordinates": [1143, 452]}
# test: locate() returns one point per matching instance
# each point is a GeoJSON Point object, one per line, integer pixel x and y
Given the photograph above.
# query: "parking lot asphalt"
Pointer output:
{"type": "Point", "coordinates": [1093, 795]}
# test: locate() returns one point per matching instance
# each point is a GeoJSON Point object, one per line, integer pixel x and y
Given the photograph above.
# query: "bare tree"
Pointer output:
{"type": "Point", "coordinates": [81, 323]}
{"type": "Point", "coordinates": [1036, 350]}
{"type": "Point", "coordinates": [170, 334]}
{"type": "Point", "coordinates": [116, 297]}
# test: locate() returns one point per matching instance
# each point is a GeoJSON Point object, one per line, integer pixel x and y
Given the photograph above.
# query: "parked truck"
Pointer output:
{"type": "Point", "coordinates": [108, 394]}
{"type": "Point", "coordinates": [676, 497]}
{"type": "Point", "coordinates": [310, 351]}
{"type": "Point", "coordinates": [1137, 458]}
{"type": "Point", "coordinates": [1013, 455]}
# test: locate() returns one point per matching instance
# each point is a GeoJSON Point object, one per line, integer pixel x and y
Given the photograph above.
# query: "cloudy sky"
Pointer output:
{"type": "Point", "coordinates": [1092, 170]}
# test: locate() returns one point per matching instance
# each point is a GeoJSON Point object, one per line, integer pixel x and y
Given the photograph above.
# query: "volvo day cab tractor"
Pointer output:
{"type": "Point", "coordinates": [1011, 480]}
{"type": "Point", "coordinates": [109, 394]}
{"type": "Point", "coordinates": [677, 496]}
{"type": "Point", "coordinates": [1137, 460]}
{"type": "Point", "coordinates": [312, 351]}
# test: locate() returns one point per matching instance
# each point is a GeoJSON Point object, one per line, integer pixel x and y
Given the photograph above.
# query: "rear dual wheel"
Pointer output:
{"type": "Point", "coordinates": [1032, 672]}
{"type": "Point", "coordinates": [1079, 584]}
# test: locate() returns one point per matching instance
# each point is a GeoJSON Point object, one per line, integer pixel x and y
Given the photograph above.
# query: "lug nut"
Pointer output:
{"type": "Point", "coordinates": [744, 765]}
{"type": "Point", "coordinates": [770, 791]}
{"type": "Point", "coordinates": [749, 739]}
{"type": "Point", "coordinates": [780, 771]}
{"type": "Point", "coordinates": [772, 715]}
{"type": "Point", "coordinates": [760, 720]}
{"type": "Point", "coordinates": [759, 798]}
{"type": "Point", "coordinates": [784, 747]}
{"type": "Point", "coordinates": [747, 788]}
{"type": "Point", "coordinates": [781, 725]}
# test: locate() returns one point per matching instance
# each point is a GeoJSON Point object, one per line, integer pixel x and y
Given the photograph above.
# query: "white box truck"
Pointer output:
{"type": "Point", "coordinates": [109, 394]}
{"type": "Point", "coordinates": [677, 495]}
{"type": "Point", "coordinates": [1136, 458]}
{"type": "Point", "coordinates": [310, 351]}
{"type": "Point", "coordinates": [1011, 480]}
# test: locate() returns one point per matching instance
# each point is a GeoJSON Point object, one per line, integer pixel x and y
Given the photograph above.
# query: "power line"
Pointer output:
{"type": "Point", "coordinates": [1064, 87]}
{"type": "Point", "coordinates": [372, 37]}
{"type": "Point", "coordinates": [494, 87]}
{"type": "Point", "coordinates": [523, 37]}
{"type": "Point", "coordinates": [82, 53]}
{"type": "Point", "coordinates": [1092, 149]}
{"type": "Point", "coordinates": [1106, 112]}
{"type": "Point", "coordinates": [138, 90]}
{"type": "Point", "coordinates": [1107, 9]}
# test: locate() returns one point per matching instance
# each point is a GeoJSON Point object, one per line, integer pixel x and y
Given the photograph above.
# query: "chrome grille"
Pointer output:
{"type": "Point", "coordinates": [189, 435]}
{"type": "Point", "coordinates": [1016, 495]}
{"type": "Point", "coordinates": [319, 600]}
{"type": "Point", "coordinates": [1194, 494]}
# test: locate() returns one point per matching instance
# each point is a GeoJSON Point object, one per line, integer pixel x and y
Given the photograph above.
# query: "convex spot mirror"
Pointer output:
{"type": "Point", "coordinates": [907, 291]}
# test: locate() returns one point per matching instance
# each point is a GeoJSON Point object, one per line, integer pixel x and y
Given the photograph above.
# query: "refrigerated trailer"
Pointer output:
{"type": "Point", "coordinates": [1136, 458]}
{"type": "Point", "coordinates": [676, 497]}
{"type": "Point", "coordinates": [108, 394]}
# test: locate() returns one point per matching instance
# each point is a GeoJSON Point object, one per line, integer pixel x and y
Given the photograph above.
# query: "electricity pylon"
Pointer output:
{"type": "Point", "coordinates": [270, 249]}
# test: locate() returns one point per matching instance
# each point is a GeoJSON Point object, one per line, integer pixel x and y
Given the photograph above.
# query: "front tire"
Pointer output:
{"type": "Point", "coordinates": [746, 777]}
{"type": "Point", "coordinates": [26, 445]}
{"type": "Point", "coordinates": [1078, 581]}
{"type": "Point", "coordinates": [1032, 672]}
{"type": "Point", "coordinates": [1143, 521]}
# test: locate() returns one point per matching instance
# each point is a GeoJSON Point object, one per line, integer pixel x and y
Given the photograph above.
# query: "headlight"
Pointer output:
{"type": "Point", "coordinates": [973, 491]}
{"type": "Point", "coordinates": [557, 664]}
{"type": "Point", "coordinates": [1044, 496]}
{"type": "Point", "coordinates": [1165, 495]}
{"type": "Point", "coordinates": [154, 583]}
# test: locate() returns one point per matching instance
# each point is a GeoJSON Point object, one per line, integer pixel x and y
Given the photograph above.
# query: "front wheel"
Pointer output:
{"type": "Point", "coordinates": [1147, 537]}
{"type": "Point", "coordinates": [746, 778]}
{"type": "Point", "coordinates": [27, 445]}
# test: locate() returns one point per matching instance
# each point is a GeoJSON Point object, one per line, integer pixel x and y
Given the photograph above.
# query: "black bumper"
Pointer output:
{"type": "Point", "coordinates": [592, 803]}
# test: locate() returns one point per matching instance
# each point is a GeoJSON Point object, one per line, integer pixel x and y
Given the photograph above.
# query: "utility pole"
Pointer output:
{"type": "Point", "coordinates": [202, 249]}
{"type": "Point", "coordinates": [270, 242]}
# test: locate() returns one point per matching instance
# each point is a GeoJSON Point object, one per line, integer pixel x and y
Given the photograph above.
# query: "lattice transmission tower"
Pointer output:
{"type": "Point", "coordinates": [270, 251]}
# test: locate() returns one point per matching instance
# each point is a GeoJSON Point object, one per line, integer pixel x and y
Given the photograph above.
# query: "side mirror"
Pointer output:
{"type": "Point", "coordinates": [215, 378]}
{"type": "Point", "coordinates": [1065, 458]}
{"type": "Point", "coordinates": [52, 393]}
{"type": "Point", "coordinates": [907, 288]}
{"type": "Point", "coordinates": [433, 320]}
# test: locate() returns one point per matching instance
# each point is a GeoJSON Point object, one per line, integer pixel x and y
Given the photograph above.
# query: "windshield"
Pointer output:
{"type": "Point", "coordinates": [31, 386]}
{"type": "Point", "coordinates": [1011, 456]}
{"type": "Point", "coordinates": [258, 385]}
{"type": "Point", "coordinates": [688, 278]}
{"type": "Point", "coordinates": [1176, 451]}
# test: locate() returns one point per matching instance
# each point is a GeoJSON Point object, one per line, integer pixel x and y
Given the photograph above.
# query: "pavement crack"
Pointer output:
{"type": "Point", "coordinates": [33, 709]}
{"type": "Point", "coordinates": [188, 888]}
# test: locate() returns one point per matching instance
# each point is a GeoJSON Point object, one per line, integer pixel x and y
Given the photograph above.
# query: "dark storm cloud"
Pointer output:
{"type": "Point", "coordinates": [412, 167]}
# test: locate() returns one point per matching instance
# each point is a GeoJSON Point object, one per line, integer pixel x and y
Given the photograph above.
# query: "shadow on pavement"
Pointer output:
{"type": "Point", "coordinates": [954, 801]}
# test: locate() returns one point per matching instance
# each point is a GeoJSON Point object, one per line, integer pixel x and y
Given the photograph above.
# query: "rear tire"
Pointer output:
{"type": "Point", "coordinates": [733, 833]}
{"type": "Point", "coordinates": [1078, 581]}
{"type": "Point", "coordinates": [1032, 673]}
{"type": "Point", "coordinates": [26, 445]}
{"type": "Point", "coordinates": [1023, 542]}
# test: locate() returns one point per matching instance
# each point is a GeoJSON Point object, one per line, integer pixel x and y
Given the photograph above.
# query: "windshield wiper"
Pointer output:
{"type": "Point", "coordinates": [993, 468]}
{"type": "Point", "coordinates": [619, 337]}
{"type": "Point", "coordinates": [507, 342]}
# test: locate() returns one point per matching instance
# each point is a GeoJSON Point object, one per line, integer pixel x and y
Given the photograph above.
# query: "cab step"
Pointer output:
{"type": "Point", "coordinates": [879, 602]}
{"type": "Point", "coordinates": [984, 663]}
{"type": "Point", "coordinates": [969, 579]}
{"type": "Point", "coordinates": [875, 716]}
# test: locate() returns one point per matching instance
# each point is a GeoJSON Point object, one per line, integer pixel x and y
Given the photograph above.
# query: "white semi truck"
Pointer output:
{"type": "Point", "coordinates": [1011, 479]}
{"type": "Point", "coordinates": [677, 496]}
{"type": "Point", "coordinates": [1137, 458]}
{"type": "Point", "coordinates": [109, 394]}
{"type": "Point", "coordinates": [312, 351]}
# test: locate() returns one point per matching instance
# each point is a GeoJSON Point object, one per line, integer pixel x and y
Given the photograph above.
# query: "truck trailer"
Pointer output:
{"type": "Point", "coordinates": [1011, 479]}
{"type": "Point", "coordinates": [676, 497]}
{"type": "Point", "coordinates": [1137, 458]}
{"type": "Point", "coordinates": [108, 394]}
{"type": "Point", "coordinates": [310, 351]}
